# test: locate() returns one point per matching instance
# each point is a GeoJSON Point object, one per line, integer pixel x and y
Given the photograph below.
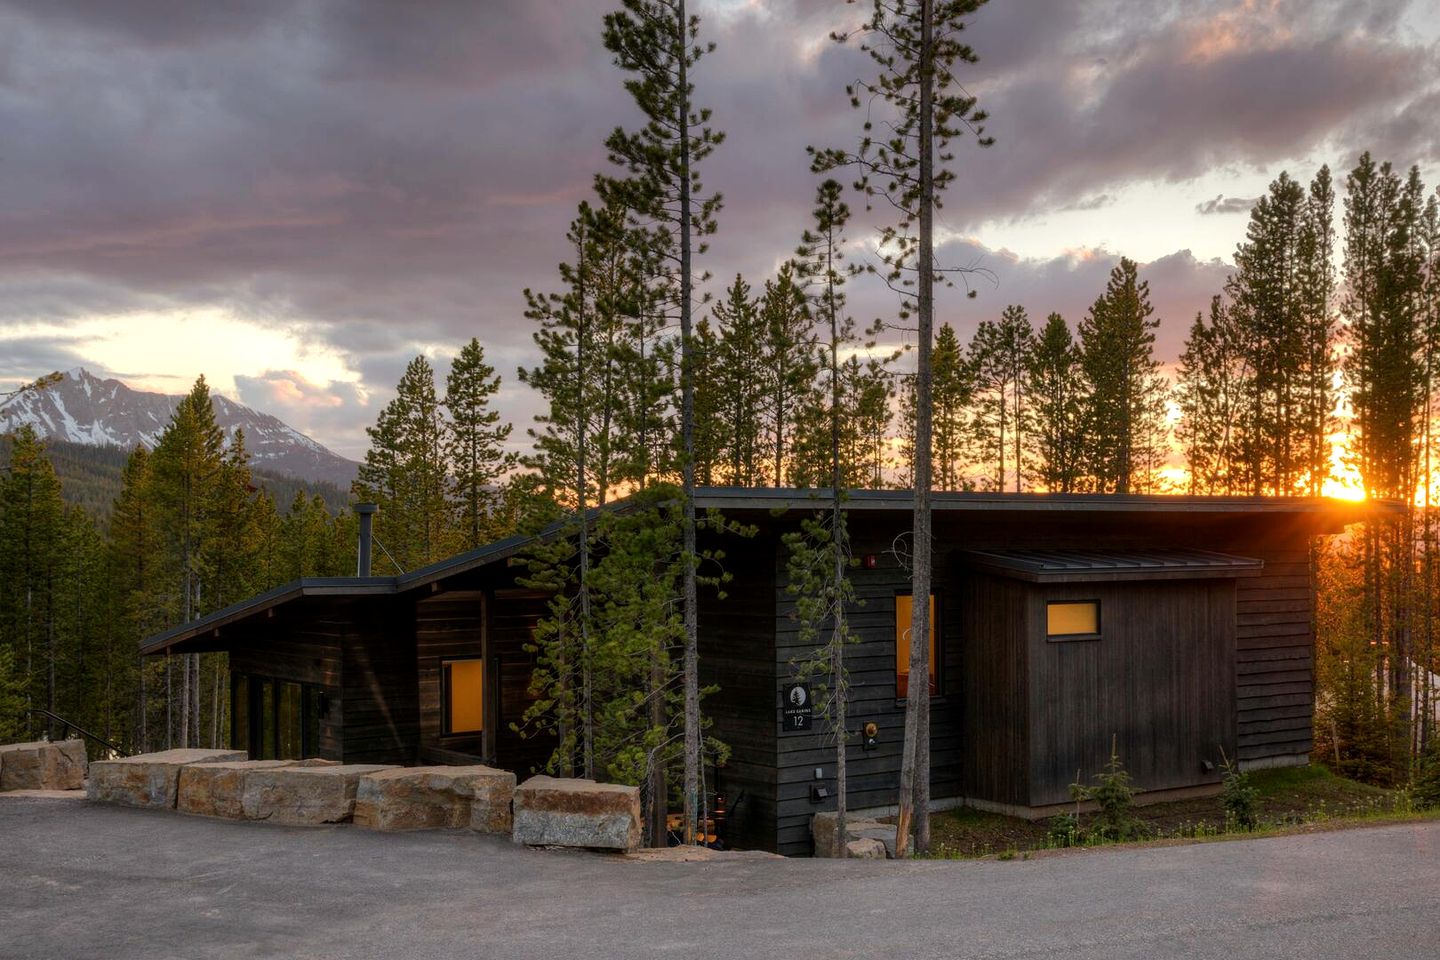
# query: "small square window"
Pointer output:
{"type": "Point", "coordinates": [1072, 620]}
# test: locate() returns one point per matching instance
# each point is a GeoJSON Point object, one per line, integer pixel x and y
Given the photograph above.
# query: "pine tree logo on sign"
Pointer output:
{"type": "Point", "coordinates": [798, 713]}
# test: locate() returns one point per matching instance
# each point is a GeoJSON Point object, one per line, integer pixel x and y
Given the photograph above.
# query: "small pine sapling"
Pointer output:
{"type": "Point", "coordinates": [1239, 797]}
{"type": "Point", "coordinates": [1114, 796]}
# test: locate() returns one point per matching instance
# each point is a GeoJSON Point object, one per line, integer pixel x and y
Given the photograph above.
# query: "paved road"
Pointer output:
{"type": "Point", "coordinates": [85, 881]}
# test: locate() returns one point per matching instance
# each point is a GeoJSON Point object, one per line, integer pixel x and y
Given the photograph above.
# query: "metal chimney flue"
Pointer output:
{"type": "Point", "coordinates": [366, 513]}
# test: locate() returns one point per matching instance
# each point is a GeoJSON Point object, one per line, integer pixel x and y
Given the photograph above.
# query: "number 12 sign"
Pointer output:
{"type": "Point", "coordinates": [797, 708]}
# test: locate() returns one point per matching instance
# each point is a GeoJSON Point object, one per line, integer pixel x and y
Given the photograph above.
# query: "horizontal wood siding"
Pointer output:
{"type": "Point", "coordinates": [737, 656]}
{"type": "Point", "coordinates": [1275, 661]}
{"type": "Point", "coordinates": [513, 615]}
{"type": "Point", "coordinates": [447, 625]}
{"type": "Point", "coordinates": [874, 774]}
{"type": "Point", "coordinates": [305, 649]}
{"type": "Point", "coordinates": [382, 723]}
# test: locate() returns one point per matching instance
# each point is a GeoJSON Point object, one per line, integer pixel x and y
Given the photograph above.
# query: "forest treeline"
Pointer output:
{"type": "Point", "coordinates": [651, 386]}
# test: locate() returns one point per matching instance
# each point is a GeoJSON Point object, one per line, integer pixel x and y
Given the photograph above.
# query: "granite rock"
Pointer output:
{"type": "Point", "coordinates": [554, 812]}
{"type": "Point", "coordinates": [150, 779]}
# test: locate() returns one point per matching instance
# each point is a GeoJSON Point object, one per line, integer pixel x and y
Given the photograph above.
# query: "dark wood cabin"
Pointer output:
{"type": "Point", "coordinates": [429, 667]}
{"type": "Point", "coordinates": [1177, 629]}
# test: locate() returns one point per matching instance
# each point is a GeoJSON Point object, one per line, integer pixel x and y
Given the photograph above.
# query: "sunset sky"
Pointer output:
{"type": "Point", "coordinates": [294, 198]}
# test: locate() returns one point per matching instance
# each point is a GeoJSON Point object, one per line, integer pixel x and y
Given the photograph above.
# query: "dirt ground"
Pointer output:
{"type": "Point", "coordinates": [1288, 797]}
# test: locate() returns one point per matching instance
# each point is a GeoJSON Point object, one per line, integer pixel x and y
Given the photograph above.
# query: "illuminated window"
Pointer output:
{"type": "Point", "coordinates": [1072, 620]}
{"type": "Point", "coordinates": [463, 693]}
{"type": "Point", "coordinates": [903, 606]}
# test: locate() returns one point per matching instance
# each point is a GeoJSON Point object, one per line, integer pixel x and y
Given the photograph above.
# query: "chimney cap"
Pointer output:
{"type": "Point", "coordinates": [364, 508]}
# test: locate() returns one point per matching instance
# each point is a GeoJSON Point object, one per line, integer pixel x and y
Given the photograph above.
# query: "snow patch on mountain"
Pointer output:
{"type": "Point", "coordinates": [83, 408]}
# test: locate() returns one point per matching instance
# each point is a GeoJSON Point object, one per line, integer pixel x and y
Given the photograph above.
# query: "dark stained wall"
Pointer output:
{"type": "Point", "coordinates": [382, 723]}
{"type": "Point", "coordinates": [448, 624]}
{"type": "Point", "coordinates": [1274, 666]}
{"type": "Point", "coordinates": [995, 741]}
{"type": "Point", "coordinates": [874, 775]}
{"type": "Point", "coordinates": [513, 614]}
{"type": "Point", "coordinates": [304, 648]}
{"type": "Point", "coordinates": [737, 655]}
{"type": "Point", "coordinates": [1158, 686]}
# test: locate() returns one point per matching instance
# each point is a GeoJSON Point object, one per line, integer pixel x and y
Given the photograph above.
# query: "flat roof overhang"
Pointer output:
{"type": "Point", "coordinates": [1109, 566]}
{"type": "Point", "coordinates": [1325, 515]}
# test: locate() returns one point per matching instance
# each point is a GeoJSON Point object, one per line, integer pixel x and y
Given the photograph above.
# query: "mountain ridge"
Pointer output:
{"type": "Point", "coordinates": [82, 408]}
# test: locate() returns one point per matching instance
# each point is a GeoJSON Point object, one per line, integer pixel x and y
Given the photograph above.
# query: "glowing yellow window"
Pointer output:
{"type": "Point", "coordinates": [463, 691]}
{"type": "Point", "coordinates": [903, 608]}
{"type": "Point", "coordinates": [1072, 619]}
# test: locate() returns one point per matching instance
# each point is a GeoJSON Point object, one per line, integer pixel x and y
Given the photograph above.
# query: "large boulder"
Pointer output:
{"type": "Point", "coordinates": [150, 779]}
{"type": "Point", "coordinates": [304, 794]}
{"type": "Point", "coordinates": [215, 789]}
{"type": "Point", "coordinates": [551, 812]}
{"type": "Point", "coordinates": [492, 802]}
{"type": "Point", "coordinates": [430, 798]}
{"type": "Point", "coordinates": [865, 849]}
{"type": "Point", "coordinates": [43, 765]}
{"type": "Point", "coordinates": [822, 831]}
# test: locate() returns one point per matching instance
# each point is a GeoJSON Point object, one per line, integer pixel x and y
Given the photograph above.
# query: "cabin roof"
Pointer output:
{"type": "Point", "coordinates": [782, 498]}
{"type": "Point", "coordinates": [1085, 566]}
{"type": "Point", "coordinates": [769, 501]}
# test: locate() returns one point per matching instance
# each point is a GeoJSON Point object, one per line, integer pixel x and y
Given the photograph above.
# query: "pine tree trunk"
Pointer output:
{"type": "Point", "coordinates": [693, 801]}
{"type": "Point", "coordinates": [658, 782]}
{"type": "Point", "coordinates": [582, 442]}
{"type": "Point", "coordinates": [914, 800]}
{"type": "Point", "coordinates": [838, 537]}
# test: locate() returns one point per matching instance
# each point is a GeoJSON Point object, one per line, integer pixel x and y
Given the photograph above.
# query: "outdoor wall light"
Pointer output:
{"type": "Point", "coordinates": [818, 794]}
{"type": "Point", "coordinates": [871, 732]}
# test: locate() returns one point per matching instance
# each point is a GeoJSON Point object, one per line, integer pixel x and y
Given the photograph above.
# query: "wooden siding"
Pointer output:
{"type": "Point", "coordinates": [737, 655]}
{"type": "Point", "coordinates": [873, 775]}
{"type": "Point", "coordinates": [1274, 659]}
{"type": "Point", "coordinates": [449, 625]}
{"type": "Point", "coordinates": [995, 745]}
{"type": "Point", "coordinates": [1157, 684]}
{"type": "Point", "coordinates": [304, 649]}
{"type": "Point", "coordinates": [382, 722]}
{"type": "Point", "coordinates": [512, 618]}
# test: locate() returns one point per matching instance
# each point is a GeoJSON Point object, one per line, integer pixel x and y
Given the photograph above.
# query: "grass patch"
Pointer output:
{"type": "Point", "coordinates": [1289, 799]}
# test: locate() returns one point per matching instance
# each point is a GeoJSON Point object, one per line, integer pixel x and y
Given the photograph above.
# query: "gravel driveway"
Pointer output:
{"type": "Point", "coordinates": [80, 880]}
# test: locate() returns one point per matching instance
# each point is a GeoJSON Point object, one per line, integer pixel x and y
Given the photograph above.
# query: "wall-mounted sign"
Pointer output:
{"type": "Point", "coordinates": [798, 710]}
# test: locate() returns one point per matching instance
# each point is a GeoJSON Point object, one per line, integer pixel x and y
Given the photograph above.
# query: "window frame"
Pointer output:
{"type": "Point", "coordinates": [937, 662]}
{"type": "Point", "coordinates": [1072, 637]}
{"type": "Point", "coordinates": [314, 706]}
{"type": "Point", "coordinates": [445, 675]}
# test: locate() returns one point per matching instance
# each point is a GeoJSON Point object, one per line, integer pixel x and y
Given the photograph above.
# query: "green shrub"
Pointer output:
{"type": "Point", "coordinates": [1425, 792]}
{"type": "Point", "coordinates": [1064, 831]}
{"type": "Point", "coordinates": [1239, 798]}
{"type": "Point", "coordinates": [1114, 795]}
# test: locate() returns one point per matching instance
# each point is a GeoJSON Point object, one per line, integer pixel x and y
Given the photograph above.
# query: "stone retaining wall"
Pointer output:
{"type": "Point", "coordinates": [430, 798]}
{"type": "Point", "coordinates": [43, 765]}
{"type": "Point", "coordinates": [551, 812]}
{"type": "Point", "coordinates": [542, 811]}
{"type": "Point", "coordinates": [150, 779]}
{"type": "Point", "coordinates": [304, 795]}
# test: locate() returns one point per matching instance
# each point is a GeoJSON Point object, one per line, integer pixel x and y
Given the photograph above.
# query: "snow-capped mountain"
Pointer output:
{"type": "Point", "coordinates": [82, 408]}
